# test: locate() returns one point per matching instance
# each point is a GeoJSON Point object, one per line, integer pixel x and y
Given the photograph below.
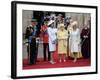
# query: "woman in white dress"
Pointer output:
{"type": "Point", "coordinates": [75, 41]}
{"type": "Point", "coordinates": [52, 40]}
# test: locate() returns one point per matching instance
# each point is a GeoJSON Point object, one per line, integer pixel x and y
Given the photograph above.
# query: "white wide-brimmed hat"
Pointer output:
{"type": "Point", "coordinates": [50, 22]}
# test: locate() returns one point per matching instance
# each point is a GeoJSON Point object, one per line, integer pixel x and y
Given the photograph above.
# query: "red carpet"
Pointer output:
{"type": "Point", "coordinates": [45, 64]}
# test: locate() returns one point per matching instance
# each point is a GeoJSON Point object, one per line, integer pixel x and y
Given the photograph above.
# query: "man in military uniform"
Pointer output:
{"type": "Point", "coordinates": [33, 47]}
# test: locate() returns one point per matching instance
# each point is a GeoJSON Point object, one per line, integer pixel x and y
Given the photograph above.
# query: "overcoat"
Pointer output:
{"type": "Point", "coordinates": [62, 37]}
{"type": "Point", "coordinates": [52, 38]}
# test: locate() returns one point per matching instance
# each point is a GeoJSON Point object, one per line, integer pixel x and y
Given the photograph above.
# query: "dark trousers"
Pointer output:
{"type": "Point", "coordinates": [32, 52]}
{"type": "Point", "coordinates": [37, 44]}
{"type": "Point", "coordinates": [45, 49]}
{"type": "Point", "coordinates": [86, 52]}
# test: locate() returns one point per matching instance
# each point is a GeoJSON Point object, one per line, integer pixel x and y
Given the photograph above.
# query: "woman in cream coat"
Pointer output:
{"type": "Point", "coordinates": [62, 36]}
{"type": "Point", "coordinates": [75, 42]}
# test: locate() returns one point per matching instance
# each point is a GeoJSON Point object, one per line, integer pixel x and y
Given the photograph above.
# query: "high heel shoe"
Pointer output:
{"type": "Point", "coordinates": [60, 61]}
{"type": "Point", "coordinates": [75, 60]}
{"type": "Point", "coordinates": [64, 60]}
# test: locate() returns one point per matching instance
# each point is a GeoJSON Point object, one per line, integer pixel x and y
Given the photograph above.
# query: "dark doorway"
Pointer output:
{"type": "Point", "coordinates": [39, 15]}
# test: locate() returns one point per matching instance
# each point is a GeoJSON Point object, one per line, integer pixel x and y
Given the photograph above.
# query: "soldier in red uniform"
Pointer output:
{"type": "Point", "coordinates": [45, 40]}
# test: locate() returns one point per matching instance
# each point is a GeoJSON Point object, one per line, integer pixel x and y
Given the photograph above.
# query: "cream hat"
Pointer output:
{"type": "Point", "coordinates": [74, 23]}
